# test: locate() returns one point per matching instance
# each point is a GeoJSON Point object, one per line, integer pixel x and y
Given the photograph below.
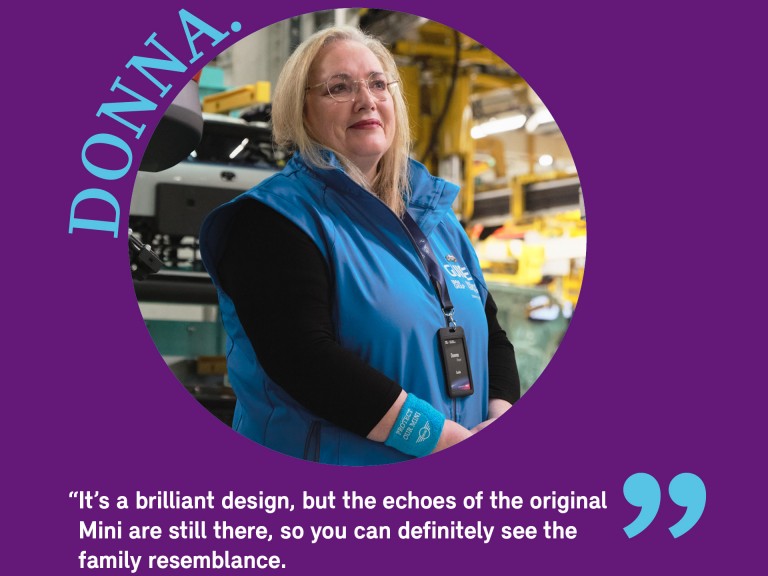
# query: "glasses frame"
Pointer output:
{"type": "Point", "coordinates": [357, 89]}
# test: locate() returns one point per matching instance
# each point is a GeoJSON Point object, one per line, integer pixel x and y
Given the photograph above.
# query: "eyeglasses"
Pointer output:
{"type": "Point", "coordinates": [343, 89]}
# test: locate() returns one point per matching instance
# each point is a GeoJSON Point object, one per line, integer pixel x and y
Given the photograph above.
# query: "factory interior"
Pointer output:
{"type": "Point", "coordinates": [474, 121]}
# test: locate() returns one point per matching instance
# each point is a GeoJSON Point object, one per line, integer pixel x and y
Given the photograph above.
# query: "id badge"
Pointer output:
{"type": "Point", "coordinates": [453, 351]}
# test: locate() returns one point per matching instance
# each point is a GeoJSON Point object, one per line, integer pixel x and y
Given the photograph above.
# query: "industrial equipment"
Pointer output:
{"type": "Point", "coordinates": [186, 179]}
{"type": "Point", "coordinates": [168, 207]}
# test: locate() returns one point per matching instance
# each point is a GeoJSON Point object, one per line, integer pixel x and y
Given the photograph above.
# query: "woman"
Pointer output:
{"type": "Point", "coordinates": [330, 306]}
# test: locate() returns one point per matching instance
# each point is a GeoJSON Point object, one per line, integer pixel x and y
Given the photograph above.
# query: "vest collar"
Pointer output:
{"type": "Point", "coordinates": [431, 197]}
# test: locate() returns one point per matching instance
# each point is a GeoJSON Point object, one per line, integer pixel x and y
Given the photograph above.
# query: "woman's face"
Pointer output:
{"type": "Point", "coordinates": [362, 129]}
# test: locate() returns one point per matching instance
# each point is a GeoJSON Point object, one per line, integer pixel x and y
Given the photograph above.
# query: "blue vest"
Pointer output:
{"type": "Point", "coordinates": [385, 307]}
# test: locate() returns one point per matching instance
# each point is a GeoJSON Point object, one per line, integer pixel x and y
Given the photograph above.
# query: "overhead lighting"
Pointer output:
{"type": "Point", "coordinates": [497, 125]}
{"type": "Point", "coordinates": [239, 149]}
{"type": "Point", "coordinates": [538, 119]}
{"type": "Point", "coordinates": [546, 160]}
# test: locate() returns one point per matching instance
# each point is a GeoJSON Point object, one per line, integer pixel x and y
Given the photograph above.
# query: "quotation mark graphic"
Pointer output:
{"type": "Point", "coordinates": [686, 490]}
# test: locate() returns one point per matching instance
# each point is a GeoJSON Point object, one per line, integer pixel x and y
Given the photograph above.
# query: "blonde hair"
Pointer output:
{"type": "Point", "coordinates": [391, 181]}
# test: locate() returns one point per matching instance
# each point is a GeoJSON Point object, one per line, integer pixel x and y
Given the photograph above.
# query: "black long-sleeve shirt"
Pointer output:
{"type": "Point", "coordinates": [287, 316]}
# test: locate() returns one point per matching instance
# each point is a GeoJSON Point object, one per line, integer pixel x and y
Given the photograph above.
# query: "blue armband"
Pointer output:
{"type": "Point", "coordinates": [417, 428]}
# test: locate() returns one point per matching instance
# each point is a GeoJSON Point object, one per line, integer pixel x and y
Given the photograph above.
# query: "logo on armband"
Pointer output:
{"type": "Point", "coordinates": [424, 433]}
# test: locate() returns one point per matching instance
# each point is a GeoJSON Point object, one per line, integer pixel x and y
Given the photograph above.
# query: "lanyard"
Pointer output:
{"type": "Point", "coordinates": [432, 267]}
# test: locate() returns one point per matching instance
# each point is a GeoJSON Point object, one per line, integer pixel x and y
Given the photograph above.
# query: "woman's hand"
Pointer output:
{"type": "Point", "coordinates": [452, 433]}
{"type": "Point", "coordinates": [496, 408]}
{"type": "Point", "coordinates": [482, 425]}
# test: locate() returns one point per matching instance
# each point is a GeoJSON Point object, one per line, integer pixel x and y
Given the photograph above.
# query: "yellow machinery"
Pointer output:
{"type": "Point", "coordinates": [442, 73]}
{"type": "Point", "coordinates": [237, 98]}
{"type": "Point", "coordinates": [524, 253]}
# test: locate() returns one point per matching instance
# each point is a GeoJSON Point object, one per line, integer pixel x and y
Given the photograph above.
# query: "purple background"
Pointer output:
{"type": "Point", "coordinates": [659, 372]}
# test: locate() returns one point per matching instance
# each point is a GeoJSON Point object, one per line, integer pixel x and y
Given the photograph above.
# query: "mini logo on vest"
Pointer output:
{"type": "Point", "coordinates": [424, 433]}
{"type": "Point", "coordinates": [450, 258]}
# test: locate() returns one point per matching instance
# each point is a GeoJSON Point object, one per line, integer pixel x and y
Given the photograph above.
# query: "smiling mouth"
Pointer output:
{"type": "Point", "coordinates": [364, 124]}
